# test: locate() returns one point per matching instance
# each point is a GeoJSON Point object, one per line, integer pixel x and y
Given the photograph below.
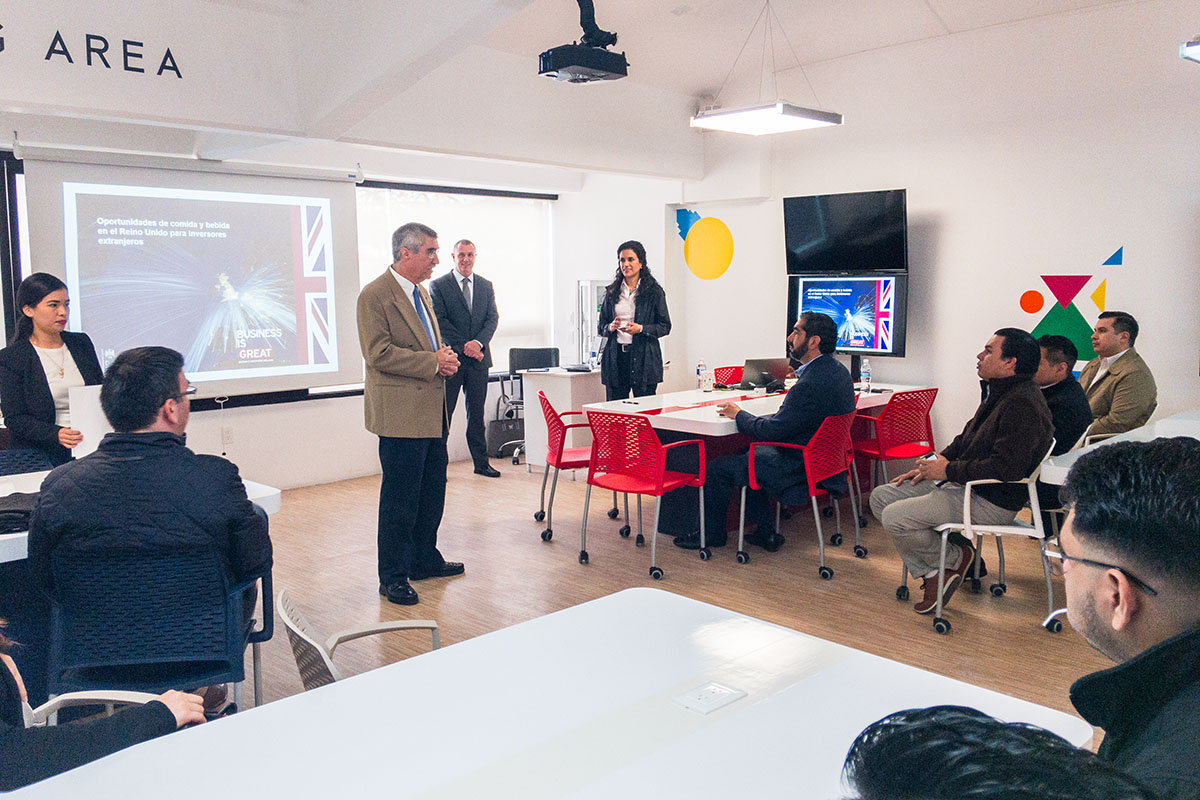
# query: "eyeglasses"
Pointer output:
{"type": "Point", "coordinates": [1058, 561]}
{"type": "Point", "coordinates": [189, 391]}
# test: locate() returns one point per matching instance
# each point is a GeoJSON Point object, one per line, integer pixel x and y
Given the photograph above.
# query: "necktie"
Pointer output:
{"type": "Point", "coordinates": [421, 313]}
{"type": "Point", "coordinates": [467, 292]}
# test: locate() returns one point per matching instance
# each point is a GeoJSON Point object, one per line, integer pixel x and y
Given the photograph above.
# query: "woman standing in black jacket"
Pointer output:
{"type": "Point", "coordinates": [633, 317]}
{"type": "Point", "coordinates": [39, 367]}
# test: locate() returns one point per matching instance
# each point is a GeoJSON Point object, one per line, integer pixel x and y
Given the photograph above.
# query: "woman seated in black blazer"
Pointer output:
{"type": "Point", "coordinates": [633, 317]}
{"type": "Point", "coordinates": [39, 367]}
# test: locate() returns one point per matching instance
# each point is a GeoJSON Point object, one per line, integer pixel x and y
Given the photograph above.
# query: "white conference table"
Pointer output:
{"type": "Point", "coordinates": [695, 411]}
{"type": "Point", "coordinates": [14, 546]}
{"type": "Point", "coordinates": [1185, 423]}
{"type": "Point", "coordinates": [576, 704]}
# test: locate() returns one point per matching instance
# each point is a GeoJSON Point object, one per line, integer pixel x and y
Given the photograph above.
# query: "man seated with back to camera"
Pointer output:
{"type": "Point", "coordinates": [1129, 552]}
{"type": "Point", "coordinates": [959, 753]}
{"type": "Point", "coordinates": [143, 490]}
{"type": "Point", "coordinates": [823, 389]}
{"type": "Point", "coordinates": [1009, 434]}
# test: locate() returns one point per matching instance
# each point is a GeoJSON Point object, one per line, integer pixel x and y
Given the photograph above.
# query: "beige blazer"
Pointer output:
{"type": "Point", "coordinates": [403, 395]}
{"type": "Point", "coordinates": [1124, 398]}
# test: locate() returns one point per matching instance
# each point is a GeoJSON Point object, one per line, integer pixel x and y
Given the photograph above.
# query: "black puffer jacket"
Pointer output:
{"type": "Point", "coordinates": [147, 491]}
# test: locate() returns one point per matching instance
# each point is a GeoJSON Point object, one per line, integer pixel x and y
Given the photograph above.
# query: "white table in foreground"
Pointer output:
{"type": "Point", "coordinates": [14, 546]}
{"type": "Point", "coordinates": [1185, 423]}
{"type": "Point", "coordinates": [577, 704]}
{"type": "Point", "coordinates": [684, 412]}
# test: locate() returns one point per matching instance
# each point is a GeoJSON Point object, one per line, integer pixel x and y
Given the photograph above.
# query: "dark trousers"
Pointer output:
{"type": "Point", "coordinates": [775, 469]}
{"type": "Point", "coordinates": [472, 376]}
{"type": "Point", "coordinates": [622, 383]}
{"type": "Point", "coordinates": [411, 498]}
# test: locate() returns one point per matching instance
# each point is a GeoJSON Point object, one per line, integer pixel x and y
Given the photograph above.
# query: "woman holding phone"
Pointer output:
{"type": "Point", "coordinates": [633, 317]}
{"type": "Point", "coordinates": [39, 367]}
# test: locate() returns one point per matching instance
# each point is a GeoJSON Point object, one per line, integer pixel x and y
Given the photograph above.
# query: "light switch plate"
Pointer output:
{"type": "Point", "coordinates": [709, 697]}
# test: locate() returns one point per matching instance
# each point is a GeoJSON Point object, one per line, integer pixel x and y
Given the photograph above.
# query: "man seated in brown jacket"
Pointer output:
{"type": "Point", "coordinates": [1118, 384]}
{"type": "Point", "coordinates": [1009, 434]}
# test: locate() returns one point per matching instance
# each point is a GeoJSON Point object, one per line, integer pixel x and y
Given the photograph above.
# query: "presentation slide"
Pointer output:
{"type": "Point", "coordinates": [863, 309]}
{"type": "Point", "coordinates": [242, 284]}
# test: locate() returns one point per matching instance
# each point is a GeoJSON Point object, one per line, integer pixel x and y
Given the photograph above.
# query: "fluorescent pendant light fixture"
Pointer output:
{"type": "Point", "coordinates": [1190, 50]}
{"type": "Point", "coordinates": [778, 117]}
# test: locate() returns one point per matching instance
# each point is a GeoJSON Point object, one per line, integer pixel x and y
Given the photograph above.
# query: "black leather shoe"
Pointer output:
{"type": "Point", "coordinates": [769, 542]}
{"type": "Point", "coordinates": [399, 593]}
{"type": "Point", "coordinates": [692, 541]}
{"type": "Point", "coordinates": [487, 471]}
{"type": "Point", "coordinates": [447, 569]}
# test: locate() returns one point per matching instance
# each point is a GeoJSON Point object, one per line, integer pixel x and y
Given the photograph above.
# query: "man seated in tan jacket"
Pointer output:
{"type": "Point", "coordinates": [1118, 384]}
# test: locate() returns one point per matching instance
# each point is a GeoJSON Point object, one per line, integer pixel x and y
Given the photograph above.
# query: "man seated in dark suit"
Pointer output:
{"type": "Point", "coordinates": [465, 306]}
{"type": "Point", "coordinates": [823, 388]}
{"type": "Point", "coordinates": [1069, 407]}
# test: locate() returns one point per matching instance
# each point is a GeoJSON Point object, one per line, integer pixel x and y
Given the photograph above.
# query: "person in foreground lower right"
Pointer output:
{"type": "Point", "coordinates": [1130, 555]}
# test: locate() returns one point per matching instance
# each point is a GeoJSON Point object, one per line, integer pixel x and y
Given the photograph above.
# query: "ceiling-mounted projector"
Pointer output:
{"type": "Point", "coordinates": [576, 63]}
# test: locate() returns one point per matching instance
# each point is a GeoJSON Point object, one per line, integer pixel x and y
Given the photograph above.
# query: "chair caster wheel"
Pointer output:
{"type": "Point", "coordinates": [902, 593]}
{"type": "Point", "coordinates": [940, 625]}
{"type": "Point", "coordinates": [862, 522]}
{"type": "Point", "coordinates": [998, 589]}
{"type": "Point", "coordinates": [705, 554]}
{"type": "Point", "coordinates": [743, 557]}
{"type": "Point", "coordinates": [976, 585]}
{"type": "Point", "coordinates": [583, 557]}
{"type": "Point", "coordinates": [656, 573]}
{"type": "Point", "coordinates": [547, 535]}
{"type": "Point", "coordinates": [1054, 626]}
{"type": "Point", "coordinates": [827, 512]}
{"type": "Point", "coordinates": [640, 540]}
{"type": "Point", "coordinates": [826, 573]}
{"type": "Point", "coordinates": [613, 513]}
{"type": "Point", "coordinates": [836, 540]}
{"type": "Point", "coordinates": [516, 461]}
{"type": "Point", "coordinates": [538, 516]}
{"type": "Point", "coordinates": [624, 531]}
{"type": "Point", "coordinates": [860, 551]}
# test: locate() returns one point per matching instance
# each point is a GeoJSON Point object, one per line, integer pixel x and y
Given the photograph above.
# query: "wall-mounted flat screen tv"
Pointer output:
{"type": "Point", "coordinates": [869, 310]}
{"type": "Point", "coordinates": [855, 232]}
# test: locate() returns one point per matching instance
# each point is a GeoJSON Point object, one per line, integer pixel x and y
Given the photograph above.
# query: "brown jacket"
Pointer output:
{"type": "Point", "coordinates": [1124, 398]}
{"type": "Point", "coordinates": [403, 396]}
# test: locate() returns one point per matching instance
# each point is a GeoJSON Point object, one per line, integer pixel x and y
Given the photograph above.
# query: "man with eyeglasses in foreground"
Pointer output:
{"type": "Point", "coordinates": [143, 490]}
{"type": "Point", "coordinates": [1130, 556]}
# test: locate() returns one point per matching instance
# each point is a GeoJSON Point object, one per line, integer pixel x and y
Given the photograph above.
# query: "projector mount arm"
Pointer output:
{"type": "Point", "coordinates": [593, 36]}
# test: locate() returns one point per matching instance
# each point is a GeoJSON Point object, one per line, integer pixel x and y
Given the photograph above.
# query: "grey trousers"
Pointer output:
{"type": "Point", "coordinates": [910, 512]}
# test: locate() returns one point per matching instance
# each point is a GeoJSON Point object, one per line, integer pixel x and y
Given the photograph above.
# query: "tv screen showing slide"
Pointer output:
{"type": "Point", "coordinates": [241, 284]}
{"type": "Point", "coordinates": [869, 310]}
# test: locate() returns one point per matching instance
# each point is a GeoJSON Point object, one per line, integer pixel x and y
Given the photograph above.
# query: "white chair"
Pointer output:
{"type": "Point", "coordinates": [1054, 514]}
{"type": "Point", "coordinates": [972, 531]}
{"type": "Point", "coordinates": [314, 659]}
{"type": "Point", "coordinates": [47, 713]}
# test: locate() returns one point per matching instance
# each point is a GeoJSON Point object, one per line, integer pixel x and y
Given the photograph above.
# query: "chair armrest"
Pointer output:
{"type": "Point", "coordinates": [383, 627]}
{"type": "Point", "coordinates": [699, 443]}
{"type": "Point", "coordinates": [576, 425]}
{"type": "Point", "coordinates": [268, 624]}
{"type": "Point", "coordinates": [38, 716]}
{"type": "Point", "coordinates": [567, 413]}
{"type": "Point", "coordinates": [756, 445]}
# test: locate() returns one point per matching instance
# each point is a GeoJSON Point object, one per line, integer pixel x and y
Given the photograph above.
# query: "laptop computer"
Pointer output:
{"type": "Point", "coordinates": [763, 371]}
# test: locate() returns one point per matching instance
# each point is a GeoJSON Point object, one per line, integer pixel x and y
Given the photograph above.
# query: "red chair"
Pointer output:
{"type": "Point", "coordinates": [727, 375]}
{"type": "Point", "coordinates": [825, 456]}
{"type": "Point", "coordinates": [628, 457]}
{"type": "Point", "coordinates": [902, 431]}
{"type": "Point", "coordinates": [561, 457]}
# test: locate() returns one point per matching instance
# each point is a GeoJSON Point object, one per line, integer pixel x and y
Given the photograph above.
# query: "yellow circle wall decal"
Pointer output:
{"type": "Point", "coordinates": [708, 248]}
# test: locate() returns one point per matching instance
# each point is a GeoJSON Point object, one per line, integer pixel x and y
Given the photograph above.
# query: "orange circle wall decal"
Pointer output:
{"type": "Point", "coordinates": [1032, 301]}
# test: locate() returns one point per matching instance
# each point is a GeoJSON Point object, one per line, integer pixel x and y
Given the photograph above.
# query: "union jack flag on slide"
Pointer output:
{"type": "Point", "coordinates": [885, 301]}
{"type": "Point", "coordinates": [314, 285]}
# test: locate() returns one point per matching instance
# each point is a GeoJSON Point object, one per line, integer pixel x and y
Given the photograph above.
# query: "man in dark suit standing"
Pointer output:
{"type": "Point", "coordinates": [823, 389]}
{"type": "Point", "coordinates": [404, 401]}
{"type": "Point", "coordinates": [465, 306]}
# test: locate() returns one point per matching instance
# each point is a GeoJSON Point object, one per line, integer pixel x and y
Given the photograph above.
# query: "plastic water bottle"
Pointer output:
{"type": "Point", "coordinates": [593, 361]}
{"type": "Point", "coordinates": [864, 373]}
{"type": "Point", "coordinates": [701, 371]}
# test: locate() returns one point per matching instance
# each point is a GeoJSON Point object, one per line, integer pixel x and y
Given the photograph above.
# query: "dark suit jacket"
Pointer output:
{"type": "Point", "coordinates": [459, 324]}
{"type": "Point", "coordinates": [1070, 411]}
{"type": "Point", "coordinates": [25, 395]}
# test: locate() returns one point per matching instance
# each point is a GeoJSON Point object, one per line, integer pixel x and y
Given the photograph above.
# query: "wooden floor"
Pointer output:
{"type": "Point", "coordinates": [324, 540]}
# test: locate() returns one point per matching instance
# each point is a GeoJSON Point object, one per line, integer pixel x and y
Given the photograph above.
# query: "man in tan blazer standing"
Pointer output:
{"type": "Point", "coordinates": [405, 405]}
{"type": "Point", "coordinates": [1118, 384]}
